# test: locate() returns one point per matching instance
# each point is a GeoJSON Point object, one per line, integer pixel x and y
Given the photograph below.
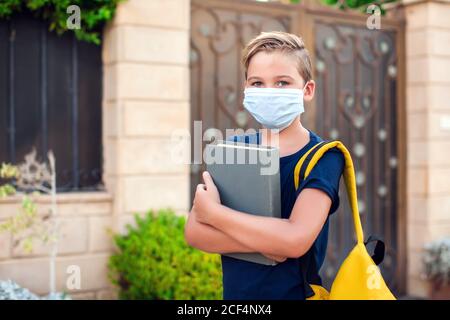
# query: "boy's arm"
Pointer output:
{"type": "Point", "coordinates": [212, 240]}
{"type": "Point", "coordinates": [285, 237]}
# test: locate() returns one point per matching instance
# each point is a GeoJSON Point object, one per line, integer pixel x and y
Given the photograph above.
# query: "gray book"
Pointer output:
{"type": "Point", "coordinates": [248, 179]}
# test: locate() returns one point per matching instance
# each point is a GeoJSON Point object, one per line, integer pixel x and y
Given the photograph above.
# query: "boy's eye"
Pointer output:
{"type": "Point", "coordinates": [282, 83]}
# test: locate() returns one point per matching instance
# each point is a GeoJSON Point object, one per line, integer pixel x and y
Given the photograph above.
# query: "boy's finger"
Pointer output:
{"type": "Point", "coordinates": [207, 179]}
{"type": "Point", "coordinates": [201, 186]}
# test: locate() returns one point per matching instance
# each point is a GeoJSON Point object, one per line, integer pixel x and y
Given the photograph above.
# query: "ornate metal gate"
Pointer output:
{"type": "Point", "coordinates": [359, 100]}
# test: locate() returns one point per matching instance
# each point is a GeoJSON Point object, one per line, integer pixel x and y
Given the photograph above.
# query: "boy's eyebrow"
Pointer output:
{"type": "Point", "coordinates": [276, 77]}
{"type": "Point", "coordinates": [284, 76]}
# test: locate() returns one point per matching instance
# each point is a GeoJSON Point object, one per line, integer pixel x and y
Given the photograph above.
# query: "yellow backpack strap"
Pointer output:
{"type": "Point", "coordinates": [300, 163]}
{"type": "Point", "coordinates": [314, 154]}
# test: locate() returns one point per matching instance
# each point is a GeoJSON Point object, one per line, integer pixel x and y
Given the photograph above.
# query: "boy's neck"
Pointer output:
{"type": "Point", "coordinates": [290, 138]}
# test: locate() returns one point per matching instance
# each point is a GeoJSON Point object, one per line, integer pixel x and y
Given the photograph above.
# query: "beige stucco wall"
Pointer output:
{"type": "Point", "coordinates": [145, 98]}
{"type": "Point", "coordinates": [428, 127]}
{"type": "Point", "coordinates": [85, 219]}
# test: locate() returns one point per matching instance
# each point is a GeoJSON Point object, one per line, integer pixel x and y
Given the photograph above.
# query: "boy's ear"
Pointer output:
{"type": "Point", "coordinates": [310, 89]}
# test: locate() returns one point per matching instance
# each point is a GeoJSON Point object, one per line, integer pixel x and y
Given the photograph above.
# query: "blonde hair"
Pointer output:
{"type": "Point", "coordinates": [283, 42]}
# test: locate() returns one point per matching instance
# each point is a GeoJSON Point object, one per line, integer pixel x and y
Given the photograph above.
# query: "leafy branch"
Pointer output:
{"type": "Point", "coordinates": [94, 14]}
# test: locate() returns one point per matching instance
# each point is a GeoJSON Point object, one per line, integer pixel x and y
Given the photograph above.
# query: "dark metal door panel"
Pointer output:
{"type": "Point", "coordinates": [356, 75]}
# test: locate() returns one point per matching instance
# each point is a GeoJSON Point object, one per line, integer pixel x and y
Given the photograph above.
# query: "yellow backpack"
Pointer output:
{"type": "Point", "coordinates": [358, 278]}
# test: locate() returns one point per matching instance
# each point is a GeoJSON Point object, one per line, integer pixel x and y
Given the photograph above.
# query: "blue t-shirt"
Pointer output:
{"type": "Point", "coordinates": [247, 280]}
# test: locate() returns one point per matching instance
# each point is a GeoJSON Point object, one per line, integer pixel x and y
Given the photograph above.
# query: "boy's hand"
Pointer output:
{"type": "Point", "coordinates": [206, 196]}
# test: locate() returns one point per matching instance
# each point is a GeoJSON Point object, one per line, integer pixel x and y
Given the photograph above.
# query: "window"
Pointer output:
{"type": "Point", "coordinates": [50, 99]}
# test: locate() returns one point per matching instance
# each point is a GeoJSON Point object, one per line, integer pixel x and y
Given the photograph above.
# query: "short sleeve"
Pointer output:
{"type": "Point", "coordinates": [326, 176]}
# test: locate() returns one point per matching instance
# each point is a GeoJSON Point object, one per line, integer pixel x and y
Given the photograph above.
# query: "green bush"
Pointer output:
{"type": "Point", "coordinates": [154, 262]}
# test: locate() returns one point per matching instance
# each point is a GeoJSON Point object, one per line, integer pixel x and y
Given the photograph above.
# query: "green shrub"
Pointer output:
{"type": "Point", "coordinates": [154, 262]}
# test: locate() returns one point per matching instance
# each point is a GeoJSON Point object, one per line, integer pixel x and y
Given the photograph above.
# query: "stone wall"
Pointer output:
{"type": "Point", "coordinates": [428, 127]}
{"type": "Point", "coordinates": [85, 220]}
{"type": "Point", "coordinates": [146, 97]}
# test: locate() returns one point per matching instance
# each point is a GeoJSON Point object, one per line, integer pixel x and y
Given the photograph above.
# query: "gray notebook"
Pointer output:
{"type": "Point", "coordinates": [248, 179]}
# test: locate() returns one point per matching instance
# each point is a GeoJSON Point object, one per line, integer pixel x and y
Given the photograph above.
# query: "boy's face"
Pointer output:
{"type": "Point", "coordinates": [277, 70]}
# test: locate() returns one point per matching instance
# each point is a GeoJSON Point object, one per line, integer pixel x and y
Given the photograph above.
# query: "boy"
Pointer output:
{"type": "Point", "coordinates": [277, 80]}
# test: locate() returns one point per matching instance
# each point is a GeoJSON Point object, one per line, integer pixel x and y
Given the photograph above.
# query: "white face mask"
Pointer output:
{"type": "Point", "coordinates": [274, 108]}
